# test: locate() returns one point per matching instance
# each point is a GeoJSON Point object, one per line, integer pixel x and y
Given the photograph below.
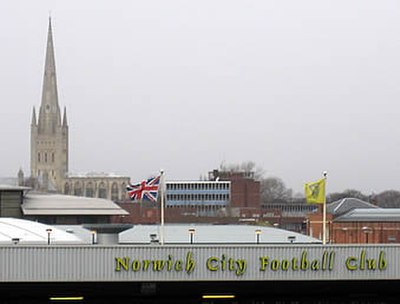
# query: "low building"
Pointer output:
{"type": "Point", "coordinates": [65, 209]}
{"type": "Point", "coordinates": [352, 221]}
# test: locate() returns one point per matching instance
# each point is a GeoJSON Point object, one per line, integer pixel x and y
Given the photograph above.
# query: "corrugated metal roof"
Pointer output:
{"type": "Point", "coordinates": [371, 215]}
{"type": "Point", "coordinates": [212, 234]}
{"type": "Point", "coordinates": [56, 204]}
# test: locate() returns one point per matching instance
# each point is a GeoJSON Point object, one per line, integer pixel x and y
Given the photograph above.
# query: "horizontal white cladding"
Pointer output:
{"type": "Point", "coordinates": [197, 263]}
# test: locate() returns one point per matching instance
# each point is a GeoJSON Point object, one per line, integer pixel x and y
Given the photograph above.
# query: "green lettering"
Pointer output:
{"type": "Point", "coordinates": [223, 262]}
{"type": "Point", "coordinates": [324, 260]}
{"type": "Point", "coordinates": [371, 264]}
{"type": "Point", "coordinates": [274, 265]}
{"type": "Point", "coordinates": [178, 265]}
{"type": "Point", "coordinates": [169, 263]}
{"type": "Point", "coordinates": [285, 264]}
{"type": "Point", "coordinates": [146, 264]}
{"type": "Point", "coordinates": [331, 260]}
{"type": "Point", "coordinates": [382, 261]}
{"type": "Point", "coordinates": [315, 265]}
{"type": "Point", "coordinates": [231, 264]}
{"type": "Point", "coordinates": [304, 261]}
{"type": "Point", "coordinates": [124, 262]}
{"type": "Point", "coordinates": [295, 265]}
{"type": "Point", "coordinates": [362, 260]}
{"type": "Point", "coordinates": [241, 267]}
{"type": "Point", "coordinates": [136, 265]}
{"type": "Point", "coordinates": [351, 263]}
{"type": "Point", "coordinates": [211, 261]}
{"type": "Point", "coordinates": [190, 263]}
{"type": "Point", "coordinates": [264, 263]}
{"type": "Point", "coordinates": [158, 265]}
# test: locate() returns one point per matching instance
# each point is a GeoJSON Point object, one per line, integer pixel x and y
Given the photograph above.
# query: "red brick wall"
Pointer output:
{"type": "Point", "coordinates": [244, 192]}
{"type": "Point", "coordinates": [366, 232]}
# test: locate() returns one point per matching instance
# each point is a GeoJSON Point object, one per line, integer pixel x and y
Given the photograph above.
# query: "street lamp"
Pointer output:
{"type": "Point", "coordinates": [258, 232]}
{"type": "Point", "coordinates": [48, 230]}
{"type": "Point", "coordinates": [191, 233]}
{"type": "Point", "coordinates": [367, 231]}
{"type": "Point", "coordinates": [93, 232]}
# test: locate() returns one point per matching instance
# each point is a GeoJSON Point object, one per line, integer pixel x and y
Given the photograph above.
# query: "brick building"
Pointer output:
{"type": "Point", "coordinates": [352, 221]}
{"type": "Point", "coordinates": [227, 197]}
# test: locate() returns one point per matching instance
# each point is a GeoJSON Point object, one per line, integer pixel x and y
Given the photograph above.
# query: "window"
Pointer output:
{"type": "Point", "coordinates": [89, 190]}
{"type": "Point", "coordinates": [38, 157]}
{"type": "Point", "coordinates": [77, 189]}
{"type": "Point", "coordinates": [114, 192]}
{"type": "Point", "coordinates": [102, 190]}
{"type": "Point", "coordinates": [66, 188]}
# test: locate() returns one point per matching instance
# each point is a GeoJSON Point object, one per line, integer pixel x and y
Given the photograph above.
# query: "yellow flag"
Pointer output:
{"type": "Point", "coordinates": [315, 192]}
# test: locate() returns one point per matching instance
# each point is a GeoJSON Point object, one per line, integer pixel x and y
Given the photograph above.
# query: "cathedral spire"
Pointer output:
{"type": "Point", "coordinates": [33, 123]}
{"type": "Point", "coordinates": [49, 135]}
{"type": "Point", "coordinates": [49, 113]}
{"type": "Point", "coordinates": [64, 122]}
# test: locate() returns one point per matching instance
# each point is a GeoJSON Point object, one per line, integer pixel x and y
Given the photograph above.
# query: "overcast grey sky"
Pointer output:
{"type": "Point", "coordinates": [296, 86]}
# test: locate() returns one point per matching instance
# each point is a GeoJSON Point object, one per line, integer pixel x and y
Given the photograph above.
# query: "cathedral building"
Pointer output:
{"type": "Point", "coordinates": [50, 147]}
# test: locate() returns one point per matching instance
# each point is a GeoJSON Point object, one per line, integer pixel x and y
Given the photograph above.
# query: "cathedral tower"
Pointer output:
{"type": "Point", "coordinates": [49, 135]}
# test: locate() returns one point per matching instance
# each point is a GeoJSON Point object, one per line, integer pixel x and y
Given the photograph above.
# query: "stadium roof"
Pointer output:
{"type": "Point", "coordinates": [212, 234]}
{"type": "Point", "coordinates": [18, 231]}
{"type": "Point", "coordinates": [56, 204]}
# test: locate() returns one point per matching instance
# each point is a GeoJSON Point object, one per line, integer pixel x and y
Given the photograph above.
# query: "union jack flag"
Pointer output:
{"type": "Point", "coordinates": [146, 190]}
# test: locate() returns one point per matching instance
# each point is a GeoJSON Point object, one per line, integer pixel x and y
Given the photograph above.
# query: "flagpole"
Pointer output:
{"type": "Point", "coordinates": [162, 207]}
{"type": "Point", "coordinates": [324, 214]}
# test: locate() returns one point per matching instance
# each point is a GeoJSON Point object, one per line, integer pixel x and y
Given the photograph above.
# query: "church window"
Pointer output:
{"type": "Point", "coordinates": [77, 189]}
{"type": "Point", "coordinates": [66, 188]}
{"type": "Point", "coordinates": [102, 190]}
{"type": "Point", "coordinates": [114, 192]}
{"type": "Point", "coordinates": [89, 190]}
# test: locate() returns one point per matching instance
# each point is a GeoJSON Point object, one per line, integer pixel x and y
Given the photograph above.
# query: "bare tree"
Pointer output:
{"type": "Point", "coordinates": [273, 189]}
{"type": "Point", "coordinates": [349, 193]}
{"type": "Point", "coordinates": [388, 199]}
{"type": "Point", "coordinates": [247, 166]}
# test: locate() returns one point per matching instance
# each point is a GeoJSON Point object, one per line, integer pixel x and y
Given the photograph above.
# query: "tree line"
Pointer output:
{"type": "Point", "coordinates": [274, 190]}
